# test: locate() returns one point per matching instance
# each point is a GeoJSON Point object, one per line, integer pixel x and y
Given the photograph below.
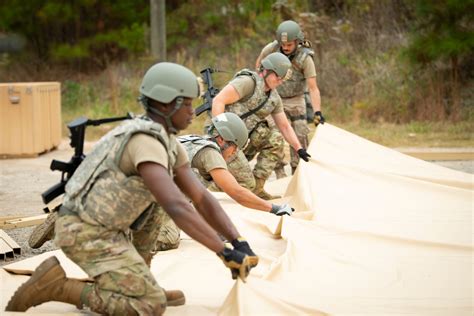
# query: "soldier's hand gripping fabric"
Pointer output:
{"type": "Point", "coordinates": [318, 118]}
{"type": "Point", "coordinates": [304, 154]}
{"type": "Point", "coordinates": [238, 262]}
{"type": "Point", "coordinates": [243, 246]}
{"type": "Point", "coordinates": [281, 210]}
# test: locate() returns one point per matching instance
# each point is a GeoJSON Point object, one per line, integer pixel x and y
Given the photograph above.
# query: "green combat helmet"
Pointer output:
{"type": "Point", "coordinates": [231, 128]}
{"type": "Point", "coordinates": [289, 31]}
{"type": "Point", "coordinates": [278, 63]}
{"type": "Point", "coordinates": [165, 82]}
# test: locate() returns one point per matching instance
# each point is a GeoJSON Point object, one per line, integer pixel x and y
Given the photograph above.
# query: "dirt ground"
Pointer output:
{"type": "Point", "coordinates": [21, 183]}
{"type": "Point", "coordinates": [23, 180]}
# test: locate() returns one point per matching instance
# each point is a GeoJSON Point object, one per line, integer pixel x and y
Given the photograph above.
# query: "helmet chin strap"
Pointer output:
{"type": "Point", "coordinates": [267, 73]}
{"type": "Point", "coordinates": [224, 146]}
{"type": "Point", "coordinates": [178, 103]}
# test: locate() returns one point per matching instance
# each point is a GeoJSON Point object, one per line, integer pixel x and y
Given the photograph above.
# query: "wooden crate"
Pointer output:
{"type": "Point", "coordinates": [30, 118]}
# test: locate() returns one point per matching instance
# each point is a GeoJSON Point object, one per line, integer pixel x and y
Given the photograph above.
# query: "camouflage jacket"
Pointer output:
{"type": "Point", "coordinates": [193, 144]}
{"type": "Point", "coordinates": [100, 193]}
{"type": "Point", "coordinates": [296, 84]}
{"type": "Point", "coordinates": [251, 102]}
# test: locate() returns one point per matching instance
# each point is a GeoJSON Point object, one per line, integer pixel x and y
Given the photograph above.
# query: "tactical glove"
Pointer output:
{"type": "Point", "coordinates": [303, 154]}
{"type": "Point", "coordinates": [318, 118]}
{"type": "Point", "coordinates": [243, 246]}
{"type": "Point", "coordinates": [281, 210]}
{"type": "Point", "coordinates": [238, 262]}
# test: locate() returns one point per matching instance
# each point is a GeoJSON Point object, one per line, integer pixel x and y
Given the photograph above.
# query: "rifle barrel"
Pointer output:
{"type": "Point", "coordinates": [108, 120]}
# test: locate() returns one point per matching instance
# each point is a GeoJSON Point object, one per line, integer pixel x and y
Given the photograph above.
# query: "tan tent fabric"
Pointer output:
{"type": "Point", "coordinates": [375, 232]}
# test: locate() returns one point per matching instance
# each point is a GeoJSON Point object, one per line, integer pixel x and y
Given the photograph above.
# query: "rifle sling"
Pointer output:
{"type": "Point", "coordinates": [245, 115]}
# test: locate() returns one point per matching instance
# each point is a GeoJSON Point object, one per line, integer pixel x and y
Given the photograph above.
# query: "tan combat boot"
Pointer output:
{"type": "Point", "coordinates": [280, 172]}
{"type": "Point", "coordinates": [47, 283]}
{"type": "Point", "coordinates": [43, 232]}
{"type": "Point", "coordinates": [163, 246]}
{"type": "Point", "coordinates": [175, 298]}
{"type": "Point", "coordinates": [260, 191]}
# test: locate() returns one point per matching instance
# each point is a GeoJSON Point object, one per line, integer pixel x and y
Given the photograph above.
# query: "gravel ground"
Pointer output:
{"type": "Point", "coordinates": [462, 165]}
{"type": "Point", "coordinates": [23, 180]}
{"type": "Point", "coordinates": [21, 235]}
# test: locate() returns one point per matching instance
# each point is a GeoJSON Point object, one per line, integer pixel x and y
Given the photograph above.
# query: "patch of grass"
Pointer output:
{"type": "Point", "coordinates": [415, 134]}
{"type": "Point", "coordinates": [115, 91]}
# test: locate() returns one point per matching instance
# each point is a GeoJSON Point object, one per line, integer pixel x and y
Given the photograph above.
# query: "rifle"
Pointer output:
{"type": "Point", "coordinates": [211, 91]}
{"type": "Point", "coordinates": [77, 129]}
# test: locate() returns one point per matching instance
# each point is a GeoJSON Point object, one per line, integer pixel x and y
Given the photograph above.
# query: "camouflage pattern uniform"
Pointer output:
{"type": "Point", "coordinates": [108, 224]}
{"type": "Point", "coordinates": [241, 171]}
{"type": "Point", "coordinates": [291, 92]}
{"type": "Point", "coordinates": [266, 141]}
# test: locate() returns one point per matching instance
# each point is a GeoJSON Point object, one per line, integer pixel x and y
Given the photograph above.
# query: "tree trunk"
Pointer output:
{"type": "Point", "coordinates": [158, 29]}
{"type": "Point", "coordinates": [455, 106]}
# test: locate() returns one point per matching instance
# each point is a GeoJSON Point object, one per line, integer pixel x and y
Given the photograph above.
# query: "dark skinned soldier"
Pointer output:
{"type": "Point", "coordinates": [134, 180]}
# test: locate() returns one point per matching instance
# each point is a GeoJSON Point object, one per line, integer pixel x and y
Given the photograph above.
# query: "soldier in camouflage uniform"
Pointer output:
{"type": "Point", "coordinates": [209, 156]}
{"type": "Point", "coordinates": [290, 41]}
{"type": "Point", "coordinates": [214, 159]}
{"type": "Point", "coordinates": [116, 202]}
{"type": "Point", "coordinates": [253, 96]}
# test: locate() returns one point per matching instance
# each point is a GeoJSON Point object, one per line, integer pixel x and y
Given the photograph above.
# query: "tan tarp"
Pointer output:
{"type": "Point", "coordinates": [375, 232]}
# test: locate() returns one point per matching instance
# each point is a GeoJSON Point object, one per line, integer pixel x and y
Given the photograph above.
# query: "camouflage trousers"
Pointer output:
{"type": "Point", "coordinates": [168, 236]}
{"type": "Point", "coordinates": [267, 144]}
{"type": "Point", "coordinates": [117, 261]}
{"type": "Point", "coordinates": [295, 110]}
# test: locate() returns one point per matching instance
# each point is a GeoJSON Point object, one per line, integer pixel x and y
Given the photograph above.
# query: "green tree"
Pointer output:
{"type": "Point", "coordinates": [77, 29]}
{"type": "Point", "coordinates": [444, 34]}
{"type": "Point", "coordinates": [444, 30]}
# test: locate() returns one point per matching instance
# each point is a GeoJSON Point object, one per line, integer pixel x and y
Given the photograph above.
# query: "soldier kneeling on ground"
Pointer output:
{"type": "Point", "coordinates": [134, 180]}
{"type": "Point", "coordinates": [213, 159]}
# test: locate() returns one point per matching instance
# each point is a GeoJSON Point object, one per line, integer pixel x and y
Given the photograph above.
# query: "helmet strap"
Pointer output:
{"type": "Point", "coordinates": [224, 146]}
{"type": "Point", "coordinates": [268, 73]}
{"type": "Point", "coordinates": [178, 103]}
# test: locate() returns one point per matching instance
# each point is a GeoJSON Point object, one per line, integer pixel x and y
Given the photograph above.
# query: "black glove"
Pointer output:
{"type": "Point", "coordinates": [281, 210]}
{"type": "Point", "coordinates": [243, 246]}
{"type": "Point", "coordinates": [303, 154]}
{"type": "Point", "coordinates": [238, 262]}
{"type": "Point", "coordinates": [318, 118]}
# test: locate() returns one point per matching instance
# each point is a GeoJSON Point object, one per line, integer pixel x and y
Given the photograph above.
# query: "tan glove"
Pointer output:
{"type": "Point", "coordinates": [238, 262]}
{"type": "Point", "coordinates": [243, 246]}
{"type": "Point", "coordinates": [318, 118]}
